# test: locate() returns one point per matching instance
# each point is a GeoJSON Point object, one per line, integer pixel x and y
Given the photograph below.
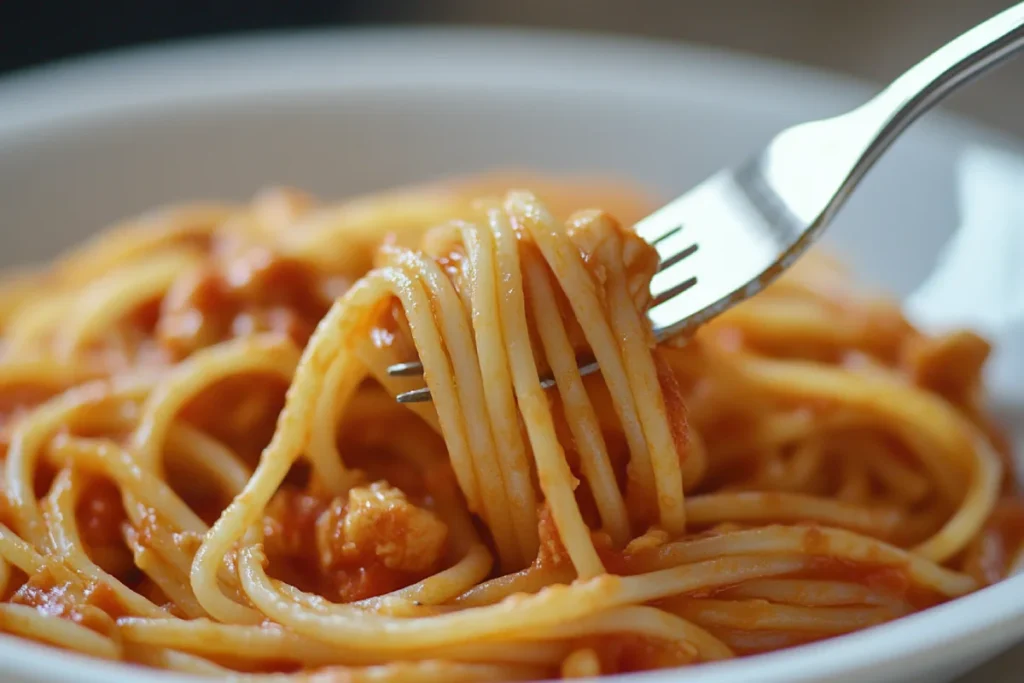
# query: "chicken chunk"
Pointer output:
{"type": "Point", "coordinates": [379, 522]}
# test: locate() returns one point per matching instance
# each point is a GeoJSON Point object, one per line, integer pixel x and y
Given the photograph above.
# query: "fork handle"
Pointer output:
{"type": "Point", "coordinates": [934, 78]}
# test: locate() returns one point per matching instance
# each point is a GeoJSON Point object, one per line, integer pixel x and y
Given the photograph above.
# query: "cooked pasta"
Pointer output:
{"type": "Point", "coordinates": [205, 469]}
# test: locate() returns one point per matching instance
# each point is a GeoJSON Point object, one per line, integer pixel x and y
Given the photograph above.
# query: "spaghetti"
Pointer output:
{"type": "Point", "coordinates": [204, 468]}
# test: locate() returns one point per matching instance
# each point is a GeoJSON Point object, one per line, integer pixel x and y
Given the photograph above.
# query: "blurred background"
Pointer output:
{"type": "Point", "coordinates": [870, 39]}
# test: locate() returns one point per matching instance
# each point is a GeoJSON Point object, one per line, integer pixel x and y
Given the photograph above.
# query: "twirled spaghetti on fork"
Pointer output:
{"type": "Point", "coordinates": [205, 470]}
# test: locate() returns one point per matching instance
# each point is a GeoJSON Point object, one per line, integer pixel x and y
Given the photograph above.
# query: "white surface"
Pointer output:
{"type": "Point", "coordinates": [978, 280]}
{"type": "Point", "coordinates": [342, 113]}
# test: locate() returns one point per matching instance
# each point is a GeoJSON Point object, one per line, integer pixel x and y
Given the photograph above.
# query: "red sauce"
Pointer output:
{"type": "Point", "coordinates": [256, 291]}
{"type": "Point", "coordinates": [349, 584]}
{"type": "Point", "coordinates": [552, 552]}
{"type": "Point", "coordinates": [626, 653]}
{"type": "Point", "coordinates": [989, 557]}
{"type": "Point", "coordinates": [235, 411]}
{"type": "Point", "coordinates": [47, 596]}
{"type": "Point", "coordinates": [94, 606]}
{"type": "Point", "coordinates": [100, 514]}
{"type": "Point", "coordinates": [888, 579]}
{"type": "Point", "coordinates": [614, 561]}
{"type": "Point", "coordinates": [289, 522]}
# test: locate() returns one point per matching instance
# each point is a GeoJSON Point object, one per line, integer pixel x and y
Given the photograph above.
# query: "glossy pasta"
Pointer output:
{"type": "Point", "coordinates": [204, 468]}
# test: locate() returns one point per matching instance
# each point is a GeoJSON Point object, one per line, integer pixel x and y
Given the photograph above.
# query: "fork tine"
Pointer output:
{"type": "Point", "coordinates": [673, 291]}
{"type": "Point", "coordinates": [423, 394]}
{"type": "Point", "coordinates": [665, 236]}
{"type": "Point", "coordinates": [589, 369]}
{"type": "Point", "coordinates": [677, 257]}
{"type": "Point", "coordinates": [415, 396]}
{"type": "Point", "coordinates": [659, 225]}
{"type": "Point", "coordinates": [410, 369]}
{"type": "Point", "coordinates": [664, 242]}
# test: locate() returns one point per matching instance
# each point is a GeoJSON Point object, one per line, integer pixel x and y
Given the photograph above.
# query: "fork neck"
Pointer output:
{"type": "Point", "coordinates": [938, 75]}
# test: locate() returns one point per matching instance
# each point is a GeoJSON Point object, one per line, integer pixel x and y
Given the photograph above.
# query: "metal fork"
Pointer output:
{"type": "Point", "coordinates": [728, 238]}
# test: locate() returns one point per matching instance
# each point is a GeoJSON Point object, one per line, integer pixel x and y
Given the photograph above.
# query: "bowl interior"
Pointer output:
{"type": "Point", "coordinates": [84, 145]}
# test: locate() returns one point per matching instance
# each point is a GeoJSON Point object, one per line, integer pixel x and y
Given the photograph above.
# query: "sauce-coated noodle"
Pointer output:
{"type": "Point", "coordinates": [204, 468]}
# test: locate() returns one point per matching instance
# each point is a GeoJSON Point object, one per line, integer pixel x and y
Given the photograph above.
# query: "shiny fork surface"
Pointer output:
{"type": "Point", "coordinates": [729, 237]}
{"type": "Point", "coordinates": [753, 221]}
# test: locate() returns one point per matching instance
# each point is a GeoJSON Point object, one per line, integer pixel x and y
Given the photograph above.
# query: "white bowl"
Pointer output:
{"type": "Point", "coordinates": [339, 113]}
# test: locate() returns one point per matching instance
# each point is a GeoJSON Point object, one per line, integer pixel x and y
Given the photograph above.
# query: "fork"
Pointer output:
{"type": "Point", "coordinates": [729, 237]}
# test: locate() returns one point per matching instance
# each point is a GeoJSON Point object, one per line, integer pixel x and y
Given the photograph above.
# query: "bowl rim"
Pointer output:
{"type": "Point", "coordinates": [86, 90]}
{"type": "Point", "coordinates": [293, 62]}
